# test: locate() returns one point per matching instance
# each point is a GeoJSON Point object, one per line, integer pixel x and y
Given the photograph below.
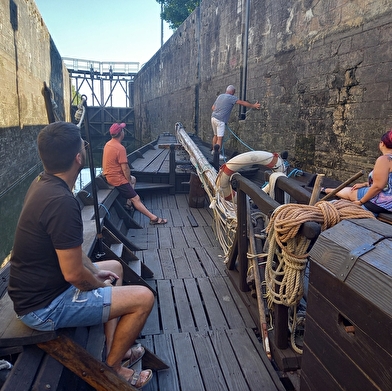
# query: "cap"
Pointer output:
{"type": "Point", "coordinates": [116, 128]}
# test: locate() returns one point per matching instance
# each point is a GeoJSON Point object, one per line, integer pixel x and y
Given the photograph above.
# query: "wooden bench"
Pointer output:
{"type": "Point", "coordinates": [49, 359]}
{"type": "Point", "coordinates": [44, 355]}
{"type": "Point", "coordinates": [385, 217]}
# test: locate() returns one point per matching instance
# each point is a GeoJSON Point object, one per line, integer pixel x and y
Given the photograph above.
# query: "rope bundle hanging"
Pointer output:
{"type": "Point", "coordinates": [289, 249]}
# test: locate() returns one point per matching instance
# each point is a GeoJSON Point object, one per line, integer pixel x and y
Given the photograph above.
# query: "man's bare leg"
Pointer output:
{"type": "Point", "coordinates": [214, 141]}
{"type": "Point", "coordinates": [219, 140]}
{"type": "Point", "coordinates": [111, 325]}
{"type": "Point", "coordinates": [138, 204]}
{"type": "Point", "coordinates": [132, 304]}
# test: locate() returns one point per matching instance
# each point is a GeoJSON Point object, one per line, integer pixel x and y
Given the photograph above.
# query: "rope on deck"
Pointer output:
{"type": "Point", "coordinates": [290, 248]}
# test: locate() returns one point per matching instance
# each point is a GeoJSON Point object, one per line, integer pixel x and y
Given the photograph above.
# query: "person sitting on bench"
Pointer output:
{"type": "Point", "coordinates": [374, 195]}
{"type": "Point", "coordinates": [52, 283]}
{"type": "Point", "coordinates": [117, 173]}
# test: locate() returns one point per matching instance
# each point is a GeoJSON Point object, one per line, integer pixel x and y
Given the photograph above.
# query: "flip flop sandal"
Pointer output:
{"type": "Point", "coordinates": [137, 352]}
{"type": "Point", "coordinates": [137, 382]}
{"type": "Point", "coordinates": [158, 221]}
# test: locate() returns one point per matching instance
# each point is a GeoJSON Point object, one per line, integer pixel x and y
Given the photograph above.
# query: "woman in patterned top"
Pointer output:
{"type": "Point", "coordinates": [375, 194]}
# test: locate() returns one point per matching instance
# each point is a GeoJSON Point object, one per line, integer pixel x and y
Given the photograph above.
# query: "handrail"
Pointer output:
{"type": "Point", "coordinates": [101, 67]}
{"type": "Point", "coordinates": [239, 251]}
{"type": "Point", "coordinates": [244, 187]}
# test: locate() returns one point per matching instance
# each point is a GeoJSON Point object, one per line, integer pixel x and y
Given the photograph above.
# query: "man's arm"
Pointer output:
{"type": "Point", "coordinates": [126, 171]}
{"type": "Point", "coordinates": [255, 105]}
{"type": "Point", "coordinates": [79, 271]}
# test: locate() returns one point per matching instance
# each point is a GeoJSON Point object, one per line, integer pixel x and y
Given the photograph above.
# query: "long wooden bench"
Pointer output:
{"type": "Point", "coordinates": [385, 217]}
{"type": "Point", "coordinates": [44, 355]}
{"type": "Point", "coordinates": [50, 359]}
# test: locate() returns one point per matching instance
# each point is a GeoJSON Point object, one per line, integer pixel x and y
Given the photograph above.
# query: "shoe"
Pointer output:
{"type": "Point", "coordinates": [221, 157]}
{"type": "Point", "coordinates": [136, 380]}
{"type": "Point", "coordinates": [158, 221]}
{"type": "Point", "coordinates": [129, 208]}
{"type": "Point", "coordinates": [212, 151]}
{"type": "Point", "coordinates": [137, 352]}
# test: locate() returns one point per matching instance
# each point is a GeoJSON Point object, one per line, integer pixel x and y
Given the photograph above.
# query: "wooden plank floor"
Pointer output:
{"type": "Point", "coordinates": [199, 325]}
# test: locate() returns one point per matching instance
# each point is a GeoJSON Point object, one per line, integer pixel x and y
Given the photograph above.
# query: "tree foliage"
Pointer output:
{"type": "Point", "coordinates": [176, 11]}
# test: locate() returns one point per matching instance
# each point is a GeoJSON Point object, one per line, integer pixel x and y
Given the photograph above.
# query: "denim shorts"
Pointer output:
{"type": "Point", "coordinates": [361, 192]}
{"type": "Point", "coordinates": [73, 308]}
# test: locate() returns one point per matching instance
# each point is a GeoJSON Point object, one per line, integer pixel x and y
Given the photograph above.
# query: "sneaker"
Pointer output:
{"type": "Point", "coordinates": [212, 151]}
{"type": "Point", "coordinates": [221, 157]}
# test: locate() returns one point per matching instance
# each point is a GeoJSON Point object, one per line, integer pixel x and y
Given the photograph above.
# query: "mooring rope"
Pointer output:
{"type": "Point", "coordinates": [287, 254]}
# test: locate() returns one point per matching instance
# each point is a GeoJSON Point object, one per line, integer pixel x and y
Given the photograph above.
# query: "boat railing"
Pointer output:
{"type": "Point", "coordinates": [238, 257]}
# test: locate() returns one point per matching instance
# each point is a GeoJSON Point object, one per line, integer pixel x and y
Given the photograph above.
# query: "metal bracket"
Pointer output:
{"type": "Point", "coordinates": [345, 267]}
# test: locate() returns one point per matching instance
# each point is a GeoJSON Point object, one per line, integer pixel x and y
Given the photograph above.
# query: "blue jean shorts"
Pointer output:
{"type": "Point", "coordinates": [73, 308]}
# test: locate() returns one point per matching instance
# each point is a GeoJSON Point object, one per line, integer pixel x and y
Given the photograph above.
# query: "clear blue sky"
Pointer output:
{"type": "Point", "coordinates": [105, 30]}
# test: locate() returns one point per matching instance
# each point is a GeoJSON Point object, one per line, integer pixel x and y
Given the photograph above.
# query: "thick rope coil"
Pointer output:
{"type": "Point", "coordinates": [289, 249]}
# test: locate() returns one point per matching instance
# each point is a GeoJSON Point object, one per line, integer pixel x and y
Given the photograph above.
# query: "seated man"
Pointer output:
{"type": "Point", "coordinates": [52, 283]}
{"type": "Point", "coordinates": [117, 172]}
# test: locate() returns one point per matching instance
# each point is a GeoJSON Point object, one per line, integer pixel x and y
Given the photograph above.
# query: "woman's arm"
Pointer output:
{"type": "Point", "coordinates": [380, 178]}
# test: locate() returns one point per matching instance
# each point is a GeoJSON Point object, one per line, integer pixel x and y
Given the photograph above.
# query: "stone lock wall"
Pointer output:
{"type": "Point", "coordinates": [321, 71]}
{"type": "Point", "coordinates": [28, 59]}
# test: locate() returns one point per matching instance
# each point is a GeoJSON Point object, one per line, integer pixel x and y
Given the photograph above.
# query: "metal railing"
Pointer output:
{"type": "Point", "coordinates": [101, 67]}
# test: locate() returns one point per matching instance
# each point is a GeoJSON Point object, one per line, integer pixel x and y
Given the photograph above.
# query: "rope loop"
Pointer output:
{"type": "Point", "coordinates": [288, 250]}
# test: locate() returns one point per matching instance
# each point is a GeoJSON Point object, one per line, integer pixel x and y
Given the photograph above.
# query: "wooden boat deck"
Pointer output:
{"type": "Point", "coordinates": [199, 325]}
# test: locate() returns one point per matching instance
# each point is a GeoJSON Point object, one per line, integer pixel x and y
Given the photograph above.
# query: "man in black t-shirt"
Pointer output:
{"type": "Point", "coordinates": [53, 284]}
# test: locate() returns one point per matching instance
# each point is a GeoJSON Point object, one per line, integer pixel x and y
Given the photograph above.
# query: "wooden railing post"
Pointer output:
{"type": "Point", "coordinates": [172, 169]}
{"type": "Point", "coordinates": [242, 237]}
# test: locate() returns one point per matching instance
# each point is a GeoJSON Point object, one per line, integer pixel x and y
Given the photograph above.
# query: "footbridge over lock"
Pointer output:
{"type": "Point", "coordinates": [108, 87]}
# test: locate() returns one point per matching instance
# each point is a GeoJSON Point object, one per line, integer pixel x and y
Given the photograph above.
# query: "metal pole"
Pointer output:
{"type": "Point", "coordinates": [161, 25]}
{"type": "Point", "coordinates": [245, 59]}
{"type": "Point", "coordinates": [89, 151]}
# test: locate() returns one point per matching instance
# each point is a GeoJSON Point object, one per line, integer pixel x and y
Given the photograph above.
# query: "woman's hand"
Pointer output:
{"type": "Point", "coordinates": [359, 185]}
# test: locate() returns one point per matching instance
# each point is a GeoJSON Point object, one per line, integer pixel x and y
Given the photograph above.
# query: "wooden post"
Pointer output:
{"type": "Point", "coordinates": [316, 189]}
{"type": "Point", "coordinates": [242, 237]}
{"type": "Point", "coordinates": [172, 169]}
{"type": "Point", "coordinates": [259, 293]}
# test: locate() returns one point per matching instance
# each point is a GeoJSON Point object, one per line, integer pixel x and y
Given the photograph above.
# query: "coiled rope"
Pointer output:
{"type": "Point", "coordinates": [287, 253]}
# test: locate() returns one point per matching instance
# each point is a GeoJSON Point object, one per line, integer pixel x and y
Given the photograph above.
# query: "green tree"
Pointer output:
{"type": "Point", "coordinates": [176, 11]}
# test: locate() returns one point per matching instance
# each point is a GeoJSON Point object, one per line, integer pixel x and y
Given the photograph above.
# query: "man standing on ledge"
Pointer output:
{"type": "Point", "coordinates": [221, 111]}
{"type": "Point", "coordinates": [117, 172]}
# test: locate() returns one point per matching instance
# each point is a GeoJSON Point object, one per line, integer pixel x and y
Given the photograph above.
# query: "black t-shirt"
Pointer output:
{"type": "Point", "coordinates": [50, 219]}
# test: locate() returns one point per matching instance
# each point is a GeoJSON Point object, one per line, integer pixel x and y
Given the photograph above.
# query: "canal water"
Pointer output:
{"type": "Point", "coordinates": [12, 201]}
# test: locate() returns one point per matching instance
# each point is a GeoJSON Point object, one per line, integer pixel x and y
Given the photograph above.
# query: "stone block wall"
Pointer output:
{"type": "Point", "coordinates": [321, 71]}
{"type": "Point", "coordinates": [28, 59]}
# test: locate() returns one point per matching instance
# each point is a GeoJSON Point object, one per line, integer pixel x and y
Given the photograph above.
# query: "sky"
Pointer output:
{"type": "Point", "coordinates": [105, 30]}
